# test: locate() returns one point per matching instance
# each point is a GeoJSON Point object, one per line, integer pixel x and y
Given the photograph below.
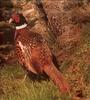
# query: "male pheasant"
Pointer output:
{"type": "Point", "coordinates": [33, 52]}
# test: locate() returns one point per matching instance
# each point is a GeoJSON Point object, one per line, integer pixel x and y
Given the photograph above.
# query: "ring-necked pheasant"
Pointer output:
{"type": "Point", "coordinates": [33, 52]}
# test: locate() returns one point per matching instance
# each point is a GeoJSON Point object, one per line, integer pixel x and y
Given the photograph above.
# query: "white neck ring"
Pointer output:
{"type": "Point", "coordinates": [21, 27]}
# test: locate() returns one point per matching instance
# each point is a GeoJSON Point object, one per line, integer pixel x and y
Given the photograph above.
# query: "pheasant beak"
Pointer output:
{"type": "Point", "coordinates": [10, 20]}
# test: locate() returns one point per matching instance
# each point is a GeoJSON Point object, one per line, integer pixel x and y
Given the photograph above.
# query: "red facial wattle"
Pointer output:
{"type": "Point", "coordinates": [16, 18]}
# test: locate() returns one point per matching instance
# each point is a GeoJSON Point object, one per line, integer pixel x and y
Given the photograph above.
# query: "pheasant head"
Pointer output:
{"type": "Point", "coordinates": [19, 20]}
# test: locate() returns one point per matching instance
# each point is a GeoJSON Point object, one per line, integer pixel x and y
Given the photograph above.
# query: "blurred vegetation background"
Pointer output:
{"type": "Point", "coordinates": [65, 25]}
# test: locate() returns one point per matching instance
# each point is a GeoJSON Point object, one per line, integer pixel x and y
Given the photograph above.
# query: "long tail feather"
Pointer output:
{"type": "Point", "coordinates": [57, 78]}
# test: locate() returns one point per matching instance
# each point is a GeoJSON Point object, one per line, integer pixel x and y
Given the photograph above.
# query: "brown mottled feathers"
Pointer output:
{"type": "Point", "coordinates": [27, 46]}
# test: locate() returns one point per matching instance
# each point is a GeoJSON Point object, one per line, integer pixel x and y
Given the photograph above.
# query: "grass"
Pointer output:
{"type": "Point", "coordinates": [13, 86]}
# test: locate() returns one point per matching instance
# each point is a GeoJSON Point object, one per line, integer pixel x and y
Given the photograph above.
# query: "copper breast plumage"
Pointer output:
{"type": "Point", "coordinates": [32, 51]}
